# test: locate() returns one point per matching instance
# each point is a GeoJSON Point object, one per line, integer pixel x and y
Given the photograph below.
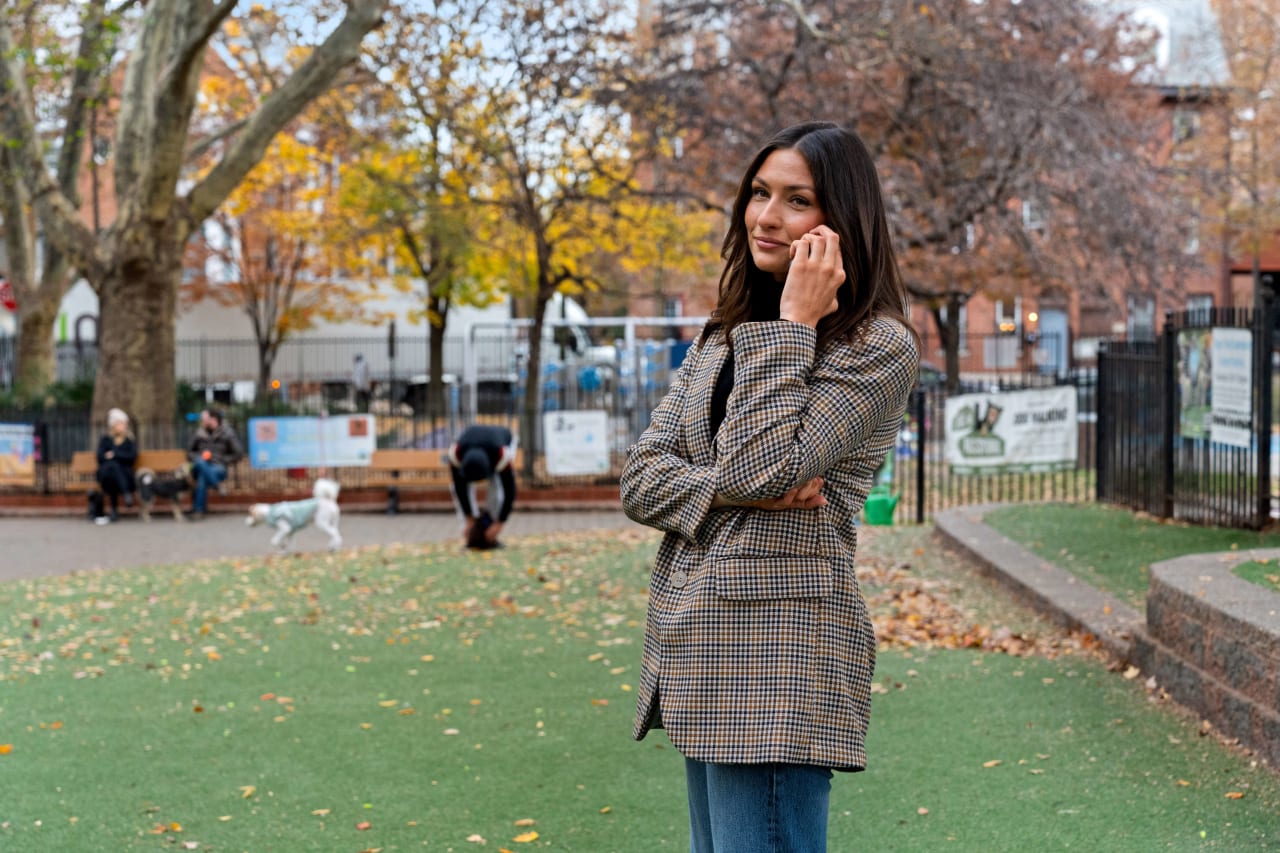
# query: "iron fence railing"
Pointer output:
{"type": "Point", "coordinates": [926, 483]}
{"type": "Point", "coordinates": [1186, 427]}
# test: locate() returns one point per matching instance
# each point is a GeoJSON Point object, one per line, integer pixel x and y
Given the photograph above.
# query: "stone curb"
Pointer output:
{"type": "Point", "coordinates": [1059, 595]}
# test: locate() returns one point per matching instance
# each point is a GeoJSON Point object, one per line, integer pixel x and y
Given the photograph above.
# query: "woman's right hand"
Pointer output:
{"type": "Point", "coordinates": [813, 279]}
{"type": "Point", "coordinates": [804, 496]}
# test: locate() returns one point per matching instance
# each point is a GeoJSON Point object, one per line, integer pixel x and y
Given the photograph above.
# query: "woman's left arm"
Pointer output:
{"type": "Point", "coordinates": [790, 420]}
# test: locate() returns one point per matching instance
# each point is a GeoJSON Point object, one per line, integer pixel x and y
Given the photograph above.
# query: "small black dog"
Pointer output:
{"type": "Point", "coordinates": [170, 487]}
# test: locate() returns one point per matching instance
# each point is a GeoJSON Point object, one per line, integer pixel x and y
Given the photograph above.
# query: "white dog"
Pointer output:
{"type": "Point", "coordinates": [288, 517]}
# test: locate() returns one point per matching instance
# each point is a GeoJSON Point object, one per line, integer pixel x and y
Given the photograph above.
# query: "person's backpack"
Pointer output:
{"type": "Point", "coordinates": [95, 504]}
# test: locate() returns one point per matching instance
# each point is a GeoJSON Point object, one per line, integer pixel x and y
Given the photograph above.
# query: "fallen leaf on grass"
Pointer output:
{"type": "Point", "coordinates": [995, 762]}
{"type": "Point", "coordinates": [476, 838]}
{"type": "Point", "coordinates": [525, 837]}
{"type": "Point", "coordinates": [922, 811]}
{"type": "Point", "coordinates": [320, 812]}
{"type": "Point", "coordinates": [1132, 672]}
{"type": "Point", "coordinates": [526, 821]}
{"type": "Point", "coordinates": [606, 810]}
{"type": "Point", "coordinates": [390, 703]}
{"type": "Point", "coordinates": [363, 825]}
{"type": "Point", "coordinates": [247, 791]}
{"type": "Point", "coordinates": [1184, 783]}
{"type": "Point", "coordinates": [1235, 795]}
{"type": "Point", "coordinates": [6, 748]}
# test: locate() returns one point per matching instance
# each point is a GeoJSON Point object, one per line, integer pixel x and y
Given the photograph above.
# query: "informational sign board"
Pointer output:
{"type": "Point", "coordinates": [1012, 432]}
{"type": "Point", "coordinates": [17, 455]}
{"type": "Point", "coordinates": [1231, 387]}
{"type": "Point", "coordinates": [576, 442]}
{"type": "Point", "coordinates": [312, 442]}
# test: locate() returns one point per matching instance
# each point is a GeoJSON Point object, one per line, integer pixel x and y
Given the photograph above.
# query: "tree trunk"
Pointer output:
{"type": "Point", "coordinates": [138, 303]}
{"type": "Point", "coordinates": [533, 384]}
{"type": "Point", "coordinates": [949, 334]}
{"type": "Point", "coordinates": [36, 369]}
{"type": "Point", "coordinates": [266, 362]}
{"type": "Point", "coordinates": [435, 403]}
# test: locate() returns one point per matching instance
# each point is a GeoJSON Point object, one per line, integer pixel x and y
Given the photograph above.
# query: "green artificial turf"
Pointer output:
{"type": "Point", "coordinates": [1111, 548]}
{"type": "Point", "coordinates": [441, 697]}
{"type": "Point", "coordinates": [1264, 573]}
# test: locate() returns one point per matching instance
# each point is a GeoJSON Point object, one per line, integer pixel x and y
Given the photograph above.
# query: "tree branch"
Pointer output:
{"type": "Point", "coordinates": [312, 77]}
{"type": "Point", "coordinates": [176, 72]}
{"type": "Point", "coordinates": [62, 226]}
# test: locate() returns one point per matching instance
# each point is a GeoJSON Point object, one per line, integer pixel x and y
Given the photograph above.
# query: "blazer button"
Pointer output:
{"type": "Point", "coordinates": [679, 579]}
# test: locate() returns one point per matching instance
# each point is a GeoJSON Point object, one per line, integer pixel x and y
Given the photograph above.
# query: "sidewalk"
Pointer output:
{"type": "Point", "coordinates": [43, 546]}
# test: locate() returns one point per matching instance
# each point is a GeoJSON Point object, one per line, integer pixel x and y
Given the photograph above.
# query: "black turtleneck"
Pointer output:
{"type": "Point", "coordinates": [765, 296]}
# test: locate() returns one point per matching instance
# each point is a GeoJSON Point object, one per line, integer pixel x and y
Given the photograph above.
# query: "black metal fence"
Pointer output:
{"type": "Point", "coordinates": [925, 481]}
{"type": "Point", "coordinates": [1145, 433]}
{"type": "Point", "coordinates": [626, 382]}
{"type": "Point", "coordinates": [1185, 427]}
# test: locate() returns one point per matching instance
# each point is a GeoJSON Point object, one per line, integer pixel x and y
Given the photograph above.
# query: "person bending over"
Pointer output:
{"type": "Point", "coordinates": [483, 453]}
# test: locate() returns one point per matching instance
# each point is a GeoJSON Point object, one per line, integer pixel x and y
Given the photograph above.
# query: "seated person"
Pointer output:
{"type": "Point", "coordinates": [117, 454]}
{"type": "Point", "coordinates": [213, 448]}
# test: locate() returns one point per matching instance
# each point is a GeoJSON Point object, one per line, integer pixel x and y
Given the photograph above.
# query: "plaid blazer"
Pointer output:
{"type": "Point", "coordinates": [757, 643]}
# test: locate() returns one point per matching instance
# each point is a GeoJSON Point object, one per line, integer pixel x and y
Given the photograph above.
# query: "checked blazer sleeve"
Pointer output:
{"type": "Point", "coordinates": [794, 414]}
{"type": "Point", "coordinates": [660, 487]}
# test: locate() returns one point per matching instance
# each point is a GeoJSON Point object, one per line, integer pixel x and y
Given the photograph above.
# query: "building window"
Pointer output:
{"type": "Point", "coordinates": [1191, 245]}
{"type": "Point", "coordinates": [1199, 307]}
{"type": "Point", "coordinates": [1032, 215]}
{"type": "Point", "coordinates": [1141, 322]}
{"type": "Point", "coordinates": [1186, 125]}
{"type": "Point", "coordinates": [1008, 315]}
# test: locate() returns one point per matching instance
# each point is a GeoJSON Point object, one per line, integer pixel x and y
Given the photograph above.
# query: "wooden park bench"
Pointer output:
{"type": "Point", "coordinates": [84, 466]}
{"type": "Point", "coordinates": [395, 469]}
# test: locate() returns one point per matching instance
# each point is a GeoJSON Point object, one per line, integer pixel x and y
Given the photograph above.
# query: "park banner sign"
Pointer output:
{"type": "Point", "coordinates": [1012, 432]}
{"type": "Point", "coordinates": [1231, 387]}
{"type": "Point", "coordinates": [327, 441]}
{"type": "Point", "coordinates": [576, 442]}
{"type": "Point", "coordinates": [17, 455]}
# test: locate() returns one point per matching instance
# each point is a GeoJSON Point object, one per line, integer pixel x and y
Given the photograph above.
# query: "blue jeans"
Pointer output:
{"type": "Point", "coordinates": [206, 475]}
{"type": "Point", "coordinates": [757, 808]}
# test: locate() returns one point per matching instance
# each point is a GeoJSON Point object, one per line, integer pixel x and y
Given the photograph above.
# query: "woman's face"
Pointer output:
{"type": "Point", "coordinates": [118, 427]}
{"type": "Point", "coordinates": [783, 207]}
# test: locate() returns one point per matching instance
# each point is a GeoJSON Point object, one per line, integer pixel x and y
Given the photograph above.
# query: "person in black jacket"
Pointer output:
{"type": "Point", "coordinates": [117, 453]}
{"type": "Point", "coordinates": [483, 453]}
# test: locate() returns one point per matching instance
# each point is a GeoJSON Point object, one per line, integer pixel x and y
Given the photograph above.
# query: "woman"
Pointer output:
{"type": "Point", "coordinates": [758, 652]}
{"type": "Point", "coordinates": [117, 453]}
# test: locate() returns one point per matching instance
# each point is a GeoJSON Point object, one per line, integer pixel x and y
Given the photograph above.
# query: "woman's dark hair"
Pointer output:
{"type": "Point", "coordinates": [847, 187]}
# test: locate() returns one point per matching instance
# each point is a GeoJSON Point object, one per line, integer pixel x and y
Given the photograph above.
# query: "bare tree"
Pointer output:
{"type": "Point", "coordinates": [40, 283]}
{"type": "Point", "coordinates": [135, 262]}
{"type": "Point", "coordinates": [976, 112]}
{"type": "Point", "coordinates": [560, 154]}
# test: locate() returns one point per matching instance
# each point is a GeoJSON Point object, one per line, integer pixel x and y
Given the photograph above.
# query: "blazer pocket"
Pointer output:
{"type": "Point", "coordinates": [764, 578]}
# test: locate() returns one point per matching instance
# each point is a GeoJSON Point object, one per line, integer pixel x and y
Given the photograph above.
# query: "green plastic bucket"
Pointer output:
{"type": "Point", "coordinates": [878, 509]}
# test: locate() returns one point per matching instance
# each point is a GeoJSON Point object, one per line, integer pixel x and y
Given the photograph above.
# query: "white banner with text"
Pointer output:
{"type": "Point", "coordinates": [1013, 431]}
